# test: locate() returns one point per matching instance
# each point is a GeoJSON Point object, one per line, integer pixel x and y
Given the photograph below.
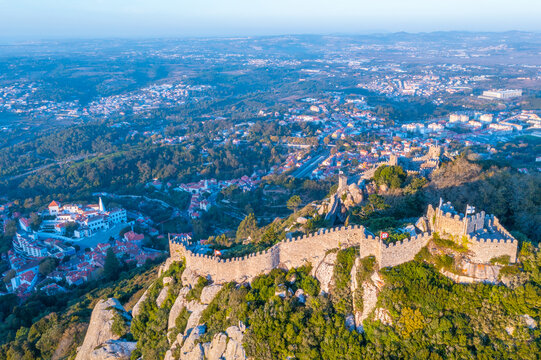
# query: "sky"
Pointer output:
{"type": "Point", "coordinates": [43, 19]}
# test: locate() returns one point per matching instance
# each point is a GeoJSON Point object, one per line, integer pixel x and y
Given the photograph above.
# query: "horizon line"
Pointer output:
{"type": "Point", "coordinates": [26, 39]}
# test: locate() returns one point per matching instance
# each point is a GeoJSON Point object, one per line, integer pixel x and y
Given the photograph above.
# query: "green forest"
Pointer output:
{"type": "Point", "coordinates": [431, 317]}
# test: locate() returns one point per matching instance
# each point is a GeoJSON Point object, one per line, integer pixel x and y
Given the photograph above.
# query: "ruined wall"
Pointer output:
{"type": "Point", "coordinates": [494, 222]}
{"type": "Point", "coordinates": [402, 251]}
{"type": "Point", "coordinates": [485, 249]}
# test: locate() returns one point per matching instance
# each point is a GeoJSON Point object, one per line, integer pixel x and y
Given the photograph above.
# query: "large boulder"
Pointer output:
{"type": "Point", "coordinates": [196, 353]}
{"type": "Point", "coordinates": [209, 292]}
{"type": "Point", "coordinates": [234, 349]}
{"type": "Point", "coordinates": [356, 194]}
{"type": "Point", "coordinates": [217, 347]}
{"type": "Point", "coordinates": [178, 305]}
{"type": "Point", "coordinates": [191, 349]}
{"type": "Point", "coordinates": [324, 271]}
{"type": "Point", "coordinates": [113, 350]}
{"type": "Point", "coordinates": [100, 334]}
{"type": "Point", "coordinates": [190, 277]}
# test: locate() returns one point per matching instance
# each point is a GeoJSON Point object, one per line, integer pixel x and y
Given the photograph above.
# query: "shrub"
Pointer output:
{"type": "Point", "coordinates": [120, 326]}
{"type": "Point", "coordinates": [180, 324]}
{"type": "Point", "coordinates": [501, 260]}
{"type": "Point", "coordinates": [195, 292]}
{"type": "Point", "coordinates": [340, 291]}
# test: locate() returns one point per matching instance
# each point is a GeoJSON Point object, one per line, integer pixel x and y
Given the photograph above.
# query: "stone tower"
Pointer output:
{"type": "Point", "coordinates": [434, 152]}
{"type": "Point", "coordinates": [393, 160]}
{"type": "Point", "coordinates": [342, 183]}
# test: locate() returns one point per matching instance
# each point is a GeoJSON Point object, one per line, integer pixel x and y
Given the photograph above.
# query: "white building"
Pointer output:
{"type": "Point", "coordinates": [434, 127]}
{"type": "Point", "coordinates": [454, 118]}
{"type": "Point", "coordinates": [90, 218]}
{"type": "Point", "coordinates": [501, 94]}
{"type": "Point", "coordinates": [487, 118]}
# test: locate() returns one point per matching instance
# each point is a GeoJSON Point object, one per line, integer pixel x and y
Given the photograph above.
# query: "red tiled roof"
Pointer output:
{"type": "Point", "coordinates": [133, 236]}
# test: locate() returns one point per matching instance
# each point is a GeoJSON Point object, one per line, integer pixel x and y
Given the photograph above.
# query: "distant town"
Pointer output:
{"type": "Point", "coordinates": [190, 139]}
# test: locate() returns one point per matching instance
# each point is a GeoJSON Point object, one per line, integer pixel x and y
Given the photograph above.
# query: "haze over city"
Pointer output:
{"type": "Point", "coordinates": [36, 19]}
{"type": "Point", "coordinates": [262, 180]}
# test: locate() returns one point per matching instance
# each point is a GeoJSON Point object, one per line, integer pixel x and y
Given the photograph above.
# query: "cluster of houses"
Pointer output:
{"type": "Point", "coordinates": [75, 265]}
{"type": "Point", "coordinates": [499, 122]}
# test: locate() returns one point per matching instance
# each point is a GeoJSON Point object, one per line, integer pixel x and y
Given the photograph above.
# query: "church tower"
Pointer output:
{"type": "Point", "coordinates": [101, 206]}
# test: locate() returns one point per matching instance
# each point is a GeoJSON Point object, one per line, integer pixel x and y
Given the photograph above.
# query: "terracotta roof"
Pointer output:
{"type": "Point", "coordinates": [132, 236]}
{"type": "Point", "coordinates": [54, 203]}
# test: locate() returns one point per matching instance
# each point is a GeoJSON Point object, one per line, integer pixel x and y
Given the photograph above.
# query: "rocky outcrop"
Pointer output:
{"type": "Point", "coordinates": [99, 342]}
{"type": "Point", "coordinates": [190, 277]}
{"type": "Point", "coordinates": [369, 290]}
{"type": "Point", "coordinates": [178, 305]}
{"type": "Point", "coordinates": [191, 348]}
{"type": "Point", "coordinates": [216, 347]}
{"type": "Point", "coordinates": [346, 197]}
{"type": "Point", "coordinates": [167, 281]}
{"type": "Point", "coordinates": [165, 266]}
{"type": "Point", "coordinates": [196, 310]}
{"type": "Point", "coordinates": [471, 273]}
{"type": "Point", "coordinates": [383, 315]}
{"type": "Point", "coordinates": [137, 307]}
{"type": "Point", "coordinates": [224, 346]}
{"type": "Point", "coordinates": [113, 350]}
{"type": "Point", "coordinates": [209, 292]}
{"type": "Point", "coordinates": [324, 271]}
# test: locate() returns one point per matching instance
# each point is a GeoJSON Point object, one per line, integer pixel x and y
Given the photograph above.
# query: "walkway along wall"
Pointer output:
{"type": "Point", "coordinates": [298, 251]}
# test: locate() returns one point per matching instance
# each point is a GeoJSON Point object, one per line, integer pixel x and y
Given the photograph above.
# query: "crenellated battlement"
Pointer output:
{"type": "Point", "coordinates": [312, 248]}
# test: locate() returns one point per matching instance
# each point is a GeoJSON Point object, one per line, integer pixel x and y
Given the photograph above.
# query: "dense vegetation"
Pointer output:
{"type": "Point", "coordinates": [513, 197]}
{"type": "Point", "coordinates": [432, 317]}
{"type": "Point", "coordinates": [46, 325]}
{"type": "Point", "coordinates": [149, 328]}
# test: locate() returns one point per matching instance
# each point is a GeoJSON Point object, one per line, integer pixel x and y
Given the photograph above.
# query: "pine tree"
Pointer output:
{"type": "Point", "coordinates": [111, 267]}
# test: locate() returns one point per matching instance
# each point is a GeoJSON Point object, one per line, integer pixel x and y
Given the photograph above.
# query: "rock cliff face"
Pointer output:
{"type": "Point", "coordinates": [191, 342]}
{"type": "Point", "coordinates": [100, 342]}
{"type": "Point", "coordinates": [369, 290]}
{"type": "Point", "coordinates": [346, 197]}
{"type": "Point", "coordinates": [324, 271]}
{"type": "Point", "coordinates": [186, 346]}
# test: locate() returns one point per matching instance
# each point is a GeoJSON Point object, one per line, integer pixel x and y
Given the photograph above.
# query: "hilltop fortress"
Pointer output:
{"type": "Point", "coordinates": [482, 234]}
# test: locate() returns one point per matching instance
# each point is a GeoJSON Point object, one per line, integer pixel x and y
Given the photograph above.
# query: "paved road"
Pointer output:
{"type": "Point", "coordinates": [306, 169]}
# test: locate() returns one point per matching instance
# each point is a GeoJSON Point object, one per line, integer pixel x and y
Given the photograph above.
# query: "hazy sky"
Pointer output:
{"type": "Point", "coordinates": [39, 19]}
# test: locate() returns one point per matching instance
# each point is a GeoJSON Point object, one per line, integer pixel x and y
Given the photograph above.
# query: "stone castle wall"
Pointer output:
{"type": "Point", "coordinates": [475, 222]}
{"type": "Point", "coordinates": [444, 222]}
{"type": "Point", "coordinates": [402, 251]}
{"type": "Point", "coordinates": [313, 248]}
{"type": "Point", "coordinates": [485, 249]}
{"type": "Point", "coordinates": [296, 252]}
